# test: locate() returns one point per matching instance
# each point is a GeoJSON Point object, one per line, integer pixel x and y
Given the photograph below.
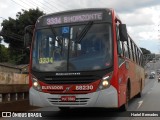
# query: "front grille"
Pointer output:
{"type": "Point", "coordinates": [79, 101]}
{"type": "Point", "coordinates": [71, 79]}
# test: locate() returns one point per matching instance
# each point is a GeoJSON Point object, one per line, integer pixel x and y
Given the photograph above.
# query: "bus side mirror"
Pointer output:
{"type": "Point", "coordinates": [27, 40]}
{"type": "Point", "coordinates": [28, 35]}
{"type": "Point", "coordinates": [123, 32]}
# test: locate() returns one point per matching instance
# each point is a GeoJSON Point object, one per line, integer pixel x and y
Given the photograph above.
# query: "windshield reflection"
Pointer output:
{"type": "Point", "coordinates": [57, 49]}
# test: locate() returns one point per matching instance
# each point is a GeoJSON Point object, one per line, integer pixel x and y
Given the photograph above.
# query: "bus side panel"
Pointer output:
{"type": "Point", "coordinates": [135, 76]}
{"type": "Point", "coordinates": [122, 77]}
{"type": "Point", "coordinates": [130, 72]}
{"type": "Point", "coordinates": [131, 77]}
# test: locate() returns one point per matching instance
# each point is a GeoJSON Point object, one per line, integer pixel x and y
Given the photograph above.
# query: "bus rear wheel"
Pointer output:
{"type": "Point", "coordinates": [139, 95]}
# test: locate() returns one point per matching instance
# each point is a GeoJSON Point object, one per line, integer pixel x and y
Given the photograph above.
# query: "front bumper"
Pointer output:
{"type": "Point", "coordinates": [107, 98]}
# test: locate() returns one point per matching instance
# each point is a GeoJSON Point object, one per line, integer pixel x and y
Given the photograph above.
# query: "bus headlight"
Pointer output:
{"type": "Point", "coordinates": [36, 85]}
{"type": "Point", "coordinates": [105, 83]}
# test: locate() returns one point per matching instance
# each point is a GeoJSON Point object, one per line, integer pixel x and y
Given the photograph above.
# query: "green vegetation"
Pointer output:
{"type": "Point", "coordinates": [4, 53]}
{"type": "Point", "coordinates": [145, 51]}
{"type": "Point", "coordinates": [13, 34]}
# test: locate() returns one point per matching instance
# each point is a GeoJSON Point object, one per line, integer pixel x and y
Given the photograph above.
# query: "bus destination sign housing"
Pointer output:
{"type": "Point", "coordinates": [74, 17]}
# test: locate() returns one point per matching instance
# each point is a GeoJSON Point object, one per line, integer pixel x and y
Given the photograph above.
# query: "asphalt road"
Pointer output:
{"type": "Point", "coordinates": [150, 101]}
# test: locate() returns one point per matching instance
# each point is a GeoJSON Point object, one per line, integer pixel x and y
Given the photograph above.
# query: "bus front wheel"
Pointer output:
{"type": "Point", "coordinates": [124, 107]}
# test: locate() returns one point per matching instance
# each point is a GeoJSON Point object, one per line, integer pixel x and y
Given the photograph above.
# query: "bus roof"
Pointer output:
{"type": "Point", "coordinates": [78, 10]}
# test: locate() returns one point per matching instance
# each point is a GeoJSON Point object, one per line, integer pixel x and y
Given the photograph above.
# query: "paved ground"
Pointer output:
{"type": "Point", "coordinates": [16, 106]}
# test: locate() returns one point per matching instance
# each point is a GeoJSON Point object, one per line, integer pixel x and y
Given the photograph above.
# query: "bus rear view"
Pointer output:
{"type": "Point", "coordinates": [74, 60]}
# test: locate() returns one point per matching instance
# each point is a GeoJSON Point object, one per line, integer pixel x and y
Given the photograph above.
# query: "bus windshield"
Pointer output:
{"type": "Point", "coordinates": [84, 47]}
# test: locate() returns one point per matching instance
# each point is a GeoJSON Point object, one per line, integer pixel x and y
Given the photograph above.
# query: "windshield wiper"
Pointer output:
{"type": "Point", "coordinates": [55, 34]}
{"type": "Point", "coordinates": [53, 31]}
{"type": "Point", "coordinates": [84, 32]}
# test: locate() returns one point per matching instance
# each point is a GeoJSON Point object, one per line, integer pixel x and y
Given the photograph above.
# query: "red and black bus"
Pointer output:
{"type": "Point", "coordinates": [84, 58]}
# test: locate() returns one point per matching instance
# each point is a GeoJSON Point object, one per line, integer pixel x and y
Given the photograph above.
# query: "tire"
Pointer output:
{"type": "Point", "coordinates": [125, 106]}
{"type": "Point", "coordinates": [139, 95]}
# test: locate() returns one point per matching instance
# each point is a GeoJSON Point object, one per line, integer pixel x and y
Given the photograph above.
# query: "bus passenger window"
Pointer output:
{"type": "Point", "coordinates": [120, 52]}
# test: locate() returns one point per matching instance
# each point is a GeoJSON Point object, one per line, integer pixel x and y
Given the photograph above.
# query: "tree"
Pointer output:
{"type": "Point", "coordinates": [1, 39]}
{"type": "Point", "coordinates": [4, 54]}
{"type": "Point", "coordinates": [145, 51]}
{"type": "Point", "coordinates": [13, 32]}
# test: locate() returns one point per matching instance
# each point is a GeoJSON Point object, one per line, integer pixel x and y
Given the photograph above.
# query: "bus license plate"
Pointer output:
{"type": "Point", "coordinates": [68, 98]}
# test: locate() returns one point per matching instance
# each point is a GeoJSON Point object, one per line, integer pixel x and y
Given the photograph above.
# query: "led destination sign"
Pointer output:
{"type": "Point", "coordinates": [53, 20]}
